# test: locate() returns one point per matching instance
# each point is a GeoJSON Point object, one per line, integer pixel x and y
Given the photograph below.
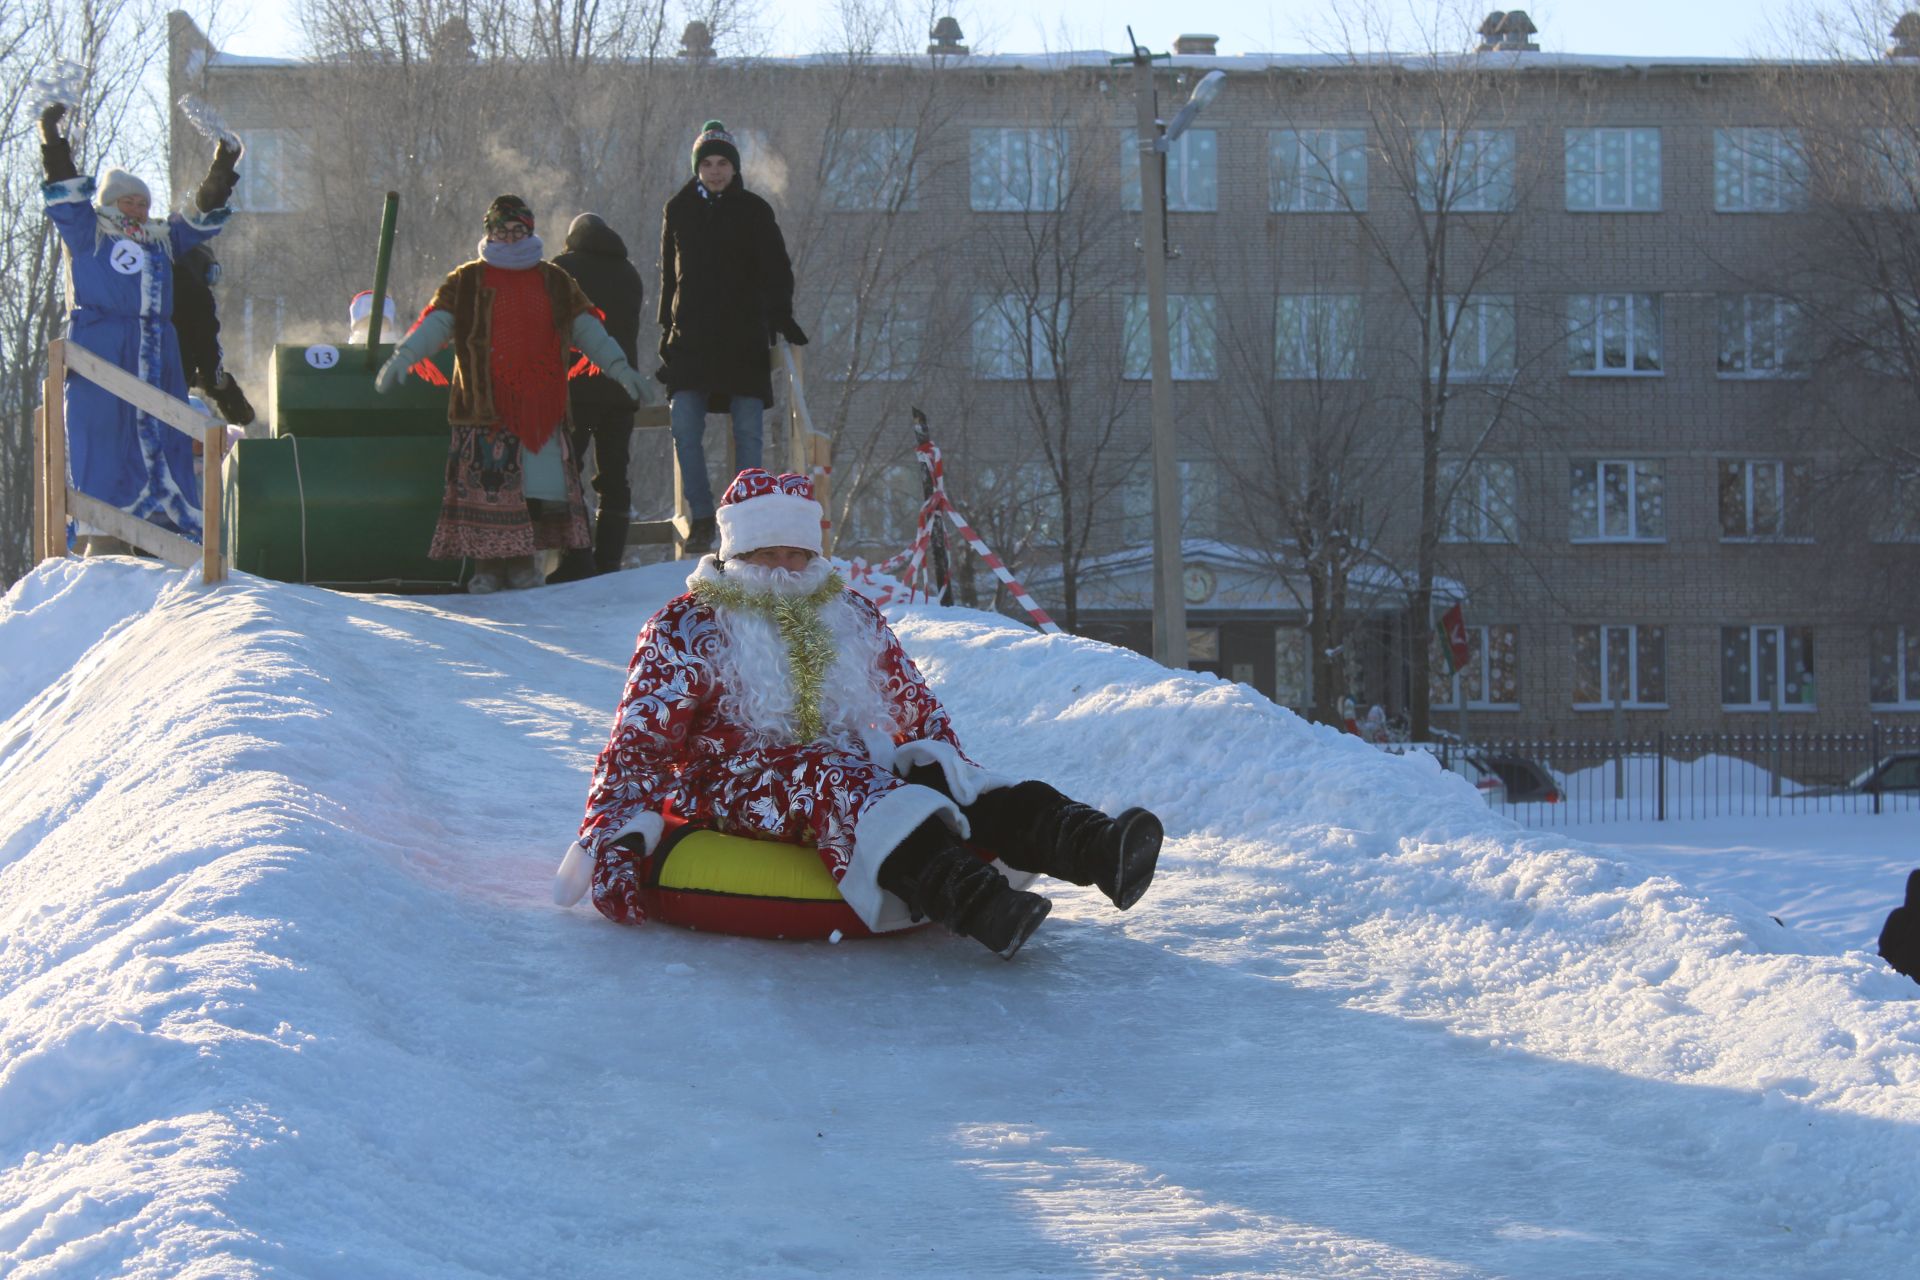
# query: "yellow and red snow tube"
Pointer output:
{"type": "Point", "coordinates": [701, 879]}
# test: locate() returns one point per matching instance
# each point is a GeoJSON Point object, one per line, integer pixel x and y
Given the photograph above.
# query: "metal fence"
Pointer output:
{"type": "Point", "coordinates": [1670, 776]}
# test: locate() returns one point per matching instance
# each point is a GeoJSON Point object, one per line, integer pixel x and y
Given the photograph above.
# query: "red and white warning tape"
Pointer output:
{"type": "Point", "coordinates": [914, 558]}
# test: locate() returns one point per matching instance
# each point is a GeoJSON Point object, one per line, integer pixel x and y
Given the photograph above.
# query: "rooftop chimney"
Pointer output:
{"type": "Point", "coordinates": [1205, 46]}
{"type": "Point", "coordinates": [696, 42]}
{"type": "Point", "coordinates": [946, 39]}
{"type": "Point", "coordinates": [1507, 32]}
{"type": "Point", "coordinates": [1906, 36]}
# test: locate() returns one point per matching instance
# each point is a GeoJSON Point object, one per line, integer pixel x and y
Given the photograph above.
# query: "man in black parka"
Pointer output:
{"type": "Point", "coordinates": [596, 258]}
{"type": "Point", "coordinates": [726, 289]}
{"type": "Point", "coordinates": [196, 323]}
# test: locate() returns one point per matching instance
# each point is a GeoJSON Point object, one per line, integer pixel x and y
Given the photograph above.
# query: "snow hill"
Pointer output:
{"type": "Point", "coordinates": [283, 992]}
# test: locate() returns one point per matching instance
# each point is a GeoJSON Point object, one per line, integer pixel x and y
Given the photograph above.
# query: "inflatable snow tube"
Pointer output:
{"type": "Point", "coordinates": [701, 879]}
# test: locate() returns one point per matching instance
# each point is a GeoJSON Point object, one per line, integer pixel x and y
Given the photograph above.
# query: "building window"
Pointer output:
{"type": "Point", "coordinates": [1016, 337]}
{"type": "Point", "coordinates": [1491, 678]}
{"type": "Point", "coordinates": [1476, 335]}
{"type": "Point", "coordinates": [1614, 334]}
{"type": "Point", "coordinates": [1760, 337]}
{"type": "Point", "coordinates": [1016, 170]}
{"type": "Point", "coordinates": [1760, 664]}
{"type": "Point", "coordinates": [1292, 673]}
{"type": "Point", "coordinates": [1893, 678]}
{"type": "Point", "coordinates": [1190, 334]}
{"type": "Point", "coordinates": [1482, 499]}
{"type": "Point", "coordinates": [1617, 501]}
{"type": "Point", "coordinates": [887, 512]}
{"type": "Point", "coordinates": [1317, 170]}
{"type": "Point", "coordinates": [870, 339]}
{"type": "Point", "coordinates": [1899, 521]}
{"type": "Point", "coordinates": [1613, 170]}
{"type": "Point", "coordinates": [1466, 172]}
{"type": "Point", "coordinates": [274, 172]}
{"type": "Point", "coordinates": [871, 170]}
{"type": "Point", "coordinates": [1762, 499]}
{"type": "Point", "coordinates": [1758, 171]}
{"type": "Point", "coordinates": [1892, 170]}
{"type": "Point", "coordinates": [1193, 171]}
{"type": "Point", "coordinates": [1023, 501]}
{"type": "Point", "coordinates": [1199, 503]}
{"type": "Point", "coordinates": [1317, 335]}
{"type": "Point", "coordinates": [1623, 663]}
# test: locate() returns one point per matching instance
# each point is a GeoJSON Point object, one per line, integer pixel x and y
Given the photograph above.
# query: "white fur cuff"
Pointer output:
{"type": "Point", "coordinates": [965, 781]}
{"type": "Point", "coordinates": [882, 826]}
{"type": "Point", "coordinates": [68, 191]}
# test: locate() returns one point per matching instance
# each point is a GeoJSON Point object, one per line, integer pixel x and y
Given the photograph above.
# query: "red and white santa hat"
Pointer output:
{"type": "Point", "coordinates": [761, 509]}
{"type": "Point", "coordinates": [361, 308]}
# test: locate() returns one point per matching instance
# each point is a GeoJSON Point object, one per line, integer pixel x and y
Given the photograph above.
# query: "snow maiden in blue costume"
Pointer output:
{"type": "Point", "coordinates": [120, 299]}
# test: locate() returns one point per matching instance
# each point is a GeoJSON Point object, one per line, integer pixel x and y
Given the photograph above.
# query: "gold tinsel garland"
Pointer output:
{"type": "Point", "coordinates": [810, 650]}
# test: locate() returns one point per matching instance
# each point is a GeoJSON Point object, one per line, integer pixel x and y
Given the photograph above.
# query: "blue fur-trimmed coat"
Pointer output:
{"type": "Point", "coordinates": [120, 300]}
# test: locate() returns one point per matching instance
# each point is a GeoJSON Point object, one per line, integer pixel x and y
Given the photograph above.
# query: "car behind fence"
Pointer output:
{"type": "Point", "coordinates": [1692, 775]}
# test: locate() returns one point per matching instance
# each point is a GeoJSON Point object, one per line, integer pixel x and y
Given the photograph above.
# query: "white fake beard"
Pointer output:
{"type": "Point", "coordinates": [758, 674]}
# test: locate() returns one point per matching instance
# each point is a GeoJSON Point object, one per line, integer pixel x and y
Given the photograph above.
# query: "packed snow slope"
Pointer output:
{"type": "Point", "coordinates": [283, 992]}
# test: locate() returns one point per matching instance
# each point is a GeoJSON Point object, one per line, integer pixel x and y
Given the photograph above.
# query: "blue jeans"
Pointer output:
{"type": "Point", "coordinates": [689, 417]}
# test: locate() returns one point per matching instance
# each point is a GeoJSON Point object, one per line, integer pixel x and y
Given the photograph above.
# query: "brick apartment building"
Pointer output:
{"type": "Point", "coordinates": [1661, 513]}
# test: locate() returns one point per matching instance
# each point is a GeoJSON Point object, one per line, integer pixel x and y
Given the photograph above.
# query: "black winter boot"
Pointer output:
{"type": "Point", "coordinates": [575, 563]}
{"type": "Point", "coordinates": [610, 538]}
{"type": "Point", "coordinates": [1035, 828]}
{"type": "Point", "coordinates": [939, 880]}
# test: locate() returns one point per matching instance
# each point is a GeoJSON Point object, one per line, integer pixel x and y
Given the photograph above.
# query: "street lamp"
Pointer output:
{"type": "Point", "coordinates": [1153, 138]}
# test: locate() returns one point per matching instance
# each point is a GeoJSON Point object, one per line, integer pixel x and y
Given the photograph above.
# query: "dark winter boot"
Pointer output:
{"type": "Point", "coordinates": [941, 881]}
{"type": "Point", "coordinates": [1035, 828]}
{"type": "Point", "coordinates": [575, 563]}
{"type": "Point", "coordinates": [610, 538]}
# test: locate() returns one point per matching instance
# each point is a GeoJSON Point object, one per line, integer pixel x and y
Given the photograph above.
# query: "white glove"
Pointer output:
{"type": "Point", "coordinates": [630, 381]}
{"type": "Point", "coordinates": [575, 874]}
{"type": "Point", "coordinates": [394, 372]}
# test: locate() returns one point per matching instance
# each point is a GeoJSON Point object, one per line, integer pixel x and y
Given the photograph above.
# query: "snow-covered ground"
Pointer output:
{"type": "Point", "coordinates": [283, 992]}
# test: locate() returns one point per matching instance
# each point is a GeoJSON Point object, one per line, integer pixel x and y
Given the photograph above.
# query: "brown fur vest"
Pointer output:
{"type": "Point", "coordinates": [462, 293]}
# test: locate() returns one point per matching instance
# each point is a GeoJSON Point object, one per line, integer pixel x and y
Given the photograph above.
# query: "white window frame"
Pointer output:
{"type": "Point", "coordinates": [887, 512]}
{"type": "Point", "coordinates": [1905, 674]}
{"type": "Point", "coordinates": [1030, 486]}
{"type": "Point", "coordinates": [1293, 651]}
{"type": "Point", "coordinates": [1479, 652]}
{"type": "Point", "coordinates": [1892, 171]}
{"type": "Point", "coordinates": [1781, 634]}
{"type": "Point", "coordinates": [1193, 161]}
{"type": "Point", "coordinates": [1638, 472]}
{"type": "Point", "coordinates": [1630, 634]}
{"type": "Point", "coordinates": [1482, 174]}
{"type": "Point", "coordinates": [1193, 337]}
{"type": "Point", "coordinates": [1736, 312]}
{"type": "Point", "coordinates": [1035, 185]}
{"type": "Point", "coordinates": [894, 330]}
{"type": "Point", "coordinates": [1493, 361]}
{"type": "Point", "coordinates": [274, 174]}
{"type": "Point", "coordinates": [1327, 173]}
{"type": "Point", "coordinates": [1900, 523]}
{"type": "Point", "coordinates": [1199, 503]}
{"type": "Point", "coordinates": [1587, 161]}
{"type": "Point", "coordinates": [1019, 321]}
{"type": "Point", "coordinates": [1471, 484]}
{"type": "Point", "coordinates": [1759, 171]}
{"type": "Point", "coordinates": [871, 171]}
{"type": "Point", "coordinates": [1317, 337]}
{"type": "Point", "coordinates": [1629, 307]}
{"type": "Point", "coordinates": [1787, 476]}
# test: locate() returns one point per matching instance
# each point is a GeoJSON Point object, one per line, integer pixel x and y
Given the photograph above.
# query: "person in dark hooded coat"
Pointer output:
{"type": "Point", "coordinates": [196, 322]}
{"type": "Point", "coordinates": [726, 290]}
{"type": "Point", "coordinates": [596, 258]}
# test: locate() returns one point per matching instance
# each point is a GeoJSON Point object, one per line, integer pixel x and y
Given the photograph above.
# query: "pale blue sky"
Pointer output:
{"type": "Point", "coordinates": [1709, 28]}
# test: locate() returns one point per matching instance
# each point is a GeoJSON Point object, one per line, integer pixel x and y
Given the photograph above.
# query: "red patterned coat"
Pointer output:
{"type": "Point", "coordinates": [706, 726]}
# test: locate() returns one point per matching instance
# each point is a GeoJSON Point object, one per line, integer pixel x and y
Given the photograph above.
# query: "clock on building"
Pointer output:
{"type": "Point", "coordinates": [1199, 583]}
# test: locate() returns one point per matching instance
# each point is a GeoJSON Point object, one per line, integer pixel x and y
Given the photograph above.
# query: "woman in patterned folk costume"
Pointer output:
{"type": "Point", "coordinates": [512, 485]}
{"type": "Point", "coordinates": [769, 701]}
{"type": "Point", "coordinates": [120, 295]}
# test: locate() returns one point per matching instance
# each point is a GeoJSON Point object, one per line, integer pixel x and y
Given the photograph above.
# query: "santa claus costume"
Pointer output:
{"type": "Point", "coordinates": [779, 705]}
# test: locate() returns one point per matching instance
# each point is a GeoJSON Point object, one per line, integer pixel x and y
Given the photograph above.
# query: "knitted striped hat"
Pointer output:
{"type": "Point", "coordinates": [714, 140]}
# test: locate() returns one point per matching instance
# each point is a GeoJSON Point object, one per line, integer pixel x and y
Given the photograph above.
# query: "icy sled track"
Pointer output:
{"type": "Point", "coordinates": [282, 993]}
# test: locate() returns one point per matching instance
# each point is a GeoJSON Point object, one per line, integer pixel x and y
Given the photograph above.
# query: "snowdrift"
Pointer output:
{"type": "Point", "coordinates": [282, 992]}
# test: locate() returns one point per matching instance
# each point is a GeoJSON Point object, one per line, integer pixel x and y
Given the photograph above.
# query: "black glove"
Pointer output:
{"type": "Point", "coordinates": [217, 188]}
{"type": "Point", "coordinates": [793, 333]}
{"type": "Point", "coordinates": [56, 153]}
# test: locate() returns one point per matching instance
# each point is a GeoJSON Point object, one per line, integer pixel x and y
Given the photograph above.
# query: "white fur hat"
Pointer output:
{"type": "Point", "coordinates": [116, 183]}
{"type": "Point", "coordinates": [761, 509]}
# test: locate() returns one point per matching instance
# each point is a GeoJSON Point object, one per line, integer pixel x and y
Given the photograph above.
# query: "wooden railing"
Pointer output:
{"type": "Point", "coordinates": [54, 500]}
{"type": "Point", "coordinates": [808, 452]}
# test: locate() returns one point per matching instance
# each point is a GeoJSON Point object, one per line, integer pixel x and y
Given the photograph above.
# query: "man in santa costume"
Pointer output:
{"type": "Point", "coordinates": [772, 702]}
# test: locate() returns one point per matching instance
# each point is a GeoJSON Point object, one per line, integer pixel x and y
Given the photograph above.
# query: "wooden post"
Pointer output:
{"type": "Point", "coordinates": [213, 565]}
{"type": "Point", "coordinates": [38, 546]}
{"type": "Point", "coordinates": [54, 416]}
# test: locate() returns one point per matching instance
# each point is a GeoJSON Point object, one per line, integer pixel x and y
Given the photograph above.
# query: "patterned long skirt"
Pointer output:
{"type": "Point", "coordinates": [484, 513]}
